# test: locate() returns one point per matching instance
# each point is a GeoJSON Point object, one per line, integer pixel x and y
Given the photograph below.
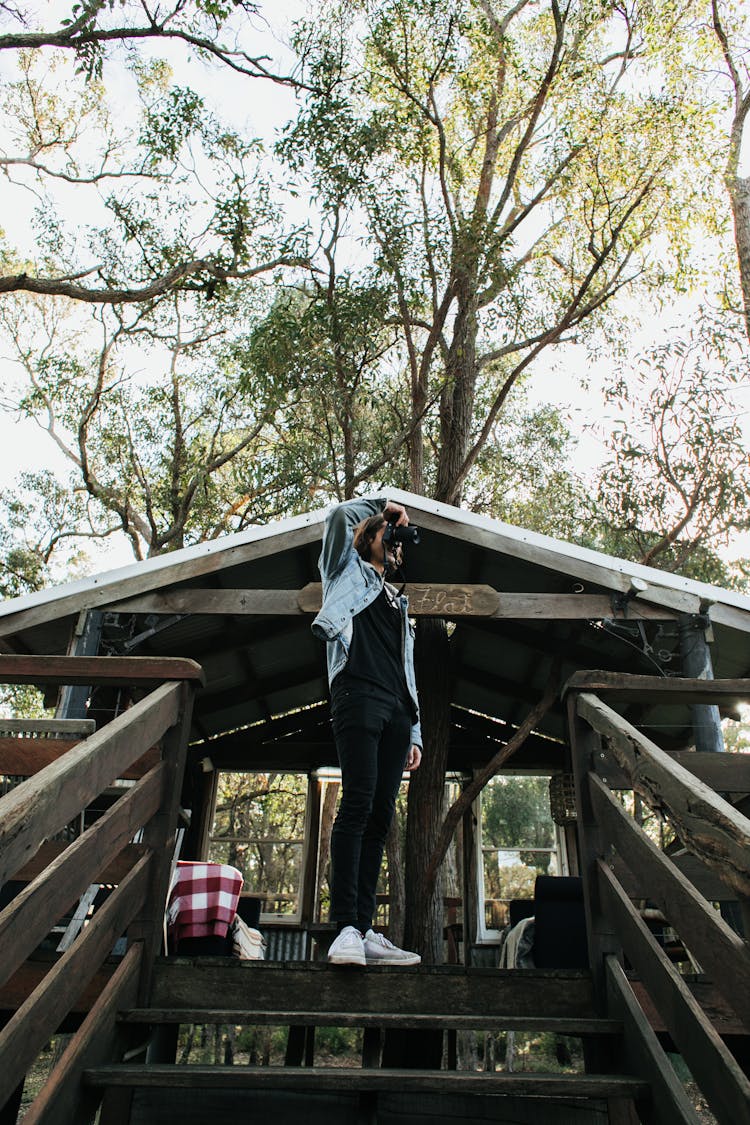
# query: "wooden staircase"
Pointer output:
{"type": "Point", "coordinates": [120, 1063]}
{"type": "Point", "coordinates": [417, 1004]}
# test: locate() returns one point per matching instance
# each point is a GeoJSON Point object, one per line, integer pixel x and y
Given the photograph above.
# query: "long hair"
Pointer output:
{"type": "Point", "coordinates": [364, 535]}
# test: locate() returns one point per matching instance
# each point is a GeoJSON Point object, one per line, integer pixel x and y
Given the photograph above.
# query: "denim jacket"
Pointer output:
{"type": "Point", "coordinates": [349, 585]}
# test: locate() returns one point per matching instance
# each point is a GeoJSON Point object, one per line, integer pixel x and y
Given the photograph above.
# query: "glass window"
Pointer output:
{"type": "Point", "coordinates": [518, 840]}
{"type": "Point", "coordinates": [259, 828]}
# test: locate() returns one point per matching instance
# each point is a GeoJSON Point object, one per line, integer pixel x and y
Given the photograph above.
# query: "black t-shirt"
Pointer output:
{"type": "Point", "coordinates": [375, 654]}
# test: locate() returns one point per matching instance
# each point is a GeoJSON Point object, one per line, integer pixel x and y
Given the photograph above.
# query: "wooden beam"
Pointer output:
{"type": "Point", "coordinates": [112, 872]}
{"type": "Point", "coordinates": [707, 824]}
{"type": "Point", "coordinates": [433, 599]}
{"type": "Point", "coordinates": [625, 688]}
{"type": "Point", "coordinates": [258, 986]}
{"type": "Point", "coordinates": [42, 805]}
{"type": "Point", "coordinates": [85, 670]}
{"type": "Point", "coordinates": [230, 603]}
{"type": "Point", "coordinates": [367, 1078]}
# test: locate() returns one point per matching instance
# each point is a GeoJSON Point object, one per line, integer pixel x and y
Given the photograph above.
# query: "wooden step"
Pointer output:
{"type": "Point", "coordinates": [366, 1080]}
{"type": "Point", "coordinates": [480, 1021]}
{"type": "Point", "coordinates": [223, 984]}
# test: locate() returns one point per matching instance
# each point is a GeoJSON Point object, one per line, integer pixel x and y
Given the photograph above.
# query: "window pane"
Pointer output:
{"type": "Point", "coordinates": [259, 828]}
{"type": "Point", "coordinates": [518, 842]}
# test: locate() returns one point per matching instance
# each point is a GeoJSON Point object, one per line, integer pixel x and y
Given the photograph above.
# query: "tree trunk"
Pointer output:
{"type": "Point", "coordinates": [457, 402]}
{"type": "Point", "coordinates": [423, 928]}
{"type": "Point", "coordinates": [326, 827]}
{"type": "Point", "coordinates": [739, 191]}
{"type": "Point", "coordinates": [396, 885]}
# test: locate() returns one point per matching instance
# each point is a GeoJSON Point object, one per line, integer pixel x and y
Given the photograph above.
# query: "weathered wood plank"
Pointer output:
{"type": "Point", "coordinates": [85, 670]}
{"type": "Point", "coordinates": [575, 607]}
{"type": "Point", "coordinates": [433, 600]}
{"type": "Point", "coordinates": [36, 1020]}
{"type": "Point", "coordinates": [669, 1103]}
{"type": "Point", "coordinates": [456, 600]}
{"type": "Point", "coordinates": [232, 603]}
{"type": "Point", "coordinates": [30, 975]}
{"type": "Point", "coordinates": [709, 826]}
{"type": "Point", "coordinates": [42, 805]}
{"type": "Point", "coordinates": [346, 1078]}
{"type": "Point", "coordinates": [627, 688]}
{"type": "Point", "coordinates": [159, 834]}
{"type": "Point", "coordinates": [317, 1018]}
{"type": "Point", "coordinates": [721, 1016]}
{"type": "Point", "coordinates": [49, 728]}
{"type": "Point", "coordinates": [32, 913]}
{"type": "Point", "coordinates": [208, 983]}
{"type": "Point", "coordinates": [727, 773]}
{"type": "Point", "coordinates": [112, 872]}
{"type": "Point", "coordinates": [721, 1079]}
{"type": "Point", "coordinates": [720, 951]}
{"type": "Point", "coordinates": [23, 757]}
{"type": "Point", "coordinates": [63, 1098]}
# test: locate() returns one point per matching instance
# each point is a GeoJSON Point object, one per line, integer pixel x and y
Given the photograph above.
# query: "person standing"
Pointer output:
{"type": "Point", "coordinates": [374, 713]}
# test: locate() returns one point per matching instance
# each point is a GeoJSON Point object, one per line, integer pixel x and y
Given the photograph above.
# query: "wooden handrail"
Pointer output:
{"type": "Point", "coordinates": [157, 726]}
{"type": "Point", "coordinates": [609, 752]}
{"type": "Point", "coordinates": [26, 919]}
{"type": "Point", "coordinates": [721, 952]}
{"type": "Point", "coordinates": [86, 670]}
{"type": "Point", "coordinates": [46, 802]}
{"type": "Point", "coordinates": [35, 1021]}
{"type": "Point", "coordinates": [708, 825]}
{"type": "Point", "coordinates": [711, 1063]}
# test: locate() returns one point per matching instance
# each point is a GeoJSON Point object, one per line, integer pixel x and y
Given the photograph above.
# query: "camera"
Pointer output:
{"type": "Point", "coordinates": [404, 535]}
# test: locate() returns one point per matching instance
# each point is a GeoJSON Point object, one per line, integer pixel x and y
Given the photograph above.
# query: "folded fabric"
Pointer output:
{"type": "Point", "coordinates": [247, 943]}
{"type": "Point", "coordinates": [203, 900]}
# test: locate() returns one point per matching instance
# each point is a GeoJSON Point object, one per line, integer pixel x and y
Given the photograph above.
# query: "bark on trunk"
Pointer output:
{"type": "Point", "coordinates": [457, 403]}
{"type": "Point", "coordinates": [423, 929]}
{"type": "Point", "coordinates": [396, 884]}
{"type": "Point", "coordinates": [327, 816]}
{"type": "Point", "coordinates": [739, 191]}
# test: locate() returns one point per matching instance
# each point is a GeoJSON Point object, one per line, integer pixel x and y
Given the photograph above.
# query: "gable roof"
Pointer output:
{"type": "Point", "coordinates": [263, 665]}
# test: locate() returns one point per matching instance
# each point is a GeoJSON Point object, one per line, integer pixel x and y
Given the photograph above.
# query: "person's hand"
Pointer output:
{"type": "Point", "coordinates": [413, 758]}
{"type": "Point", "coordinates": [392, 509]}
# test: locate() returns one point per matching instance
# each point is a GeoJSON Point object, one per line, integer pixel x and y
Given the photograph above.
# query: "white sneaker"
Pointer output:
{"type": "Point", "coordinates": [348, 948]}
{"type": "Point", "coordinates": [380, 951]}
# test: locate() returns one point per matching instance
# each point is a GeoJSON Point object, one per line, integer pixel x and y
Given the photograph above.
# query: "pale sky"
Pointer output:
{"type": "Point", "coordinates": [263, 107]}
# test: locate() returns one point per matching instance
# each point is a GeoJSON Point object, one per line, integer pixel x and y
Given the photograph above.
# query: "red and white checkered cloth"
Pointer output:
{"type": "Point", "coordinates": [203, 900]}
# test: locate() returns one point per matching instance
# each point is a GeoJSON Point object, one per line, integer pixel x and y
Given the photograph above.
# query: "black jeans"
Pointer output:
{"type": "Point", "coordinates": [371, 728]}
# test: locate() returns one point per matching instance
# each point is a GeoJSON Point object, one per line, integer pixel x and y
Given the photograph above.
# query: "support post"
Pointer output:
{"type": "Point", "coordinates": [696, 664]}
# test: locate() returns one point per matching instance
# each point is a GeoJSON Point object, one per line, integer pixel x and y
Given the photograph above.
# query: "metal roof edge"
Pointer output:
{"type": "Point", "coordinates": [560, 547]}
{"type": "Point", "coordinates": [164, 562]}
{"type": "Point", "coordinates": [506, 534]}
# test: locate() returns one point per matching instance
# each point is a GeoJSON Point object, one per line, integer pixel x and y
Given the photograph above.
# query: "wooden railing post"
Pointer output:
{"type": "Point", "coordinates": [159, 837]}
{"type": "Point", "coordinates": [586, 751]}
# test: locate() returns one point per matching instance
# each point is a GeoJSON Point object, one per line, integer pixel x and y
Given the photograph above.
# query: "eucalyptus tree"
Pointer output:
{"type": "Point", "coordinates": [731, 27]}
{"type": "Point", "coordinates": [164, 439]}
{"type": "Point", "coordinates": [677, 482]}
{"type": "Point", "coordinates": [95, 154]}
{"type": "Point", "coordinates": [509, 170]}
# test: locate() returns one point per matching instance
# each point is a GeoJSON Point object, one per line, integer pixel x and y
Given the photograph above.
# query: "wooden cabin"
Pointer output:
{"type": "Point", "coordinates": [168, 672]}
